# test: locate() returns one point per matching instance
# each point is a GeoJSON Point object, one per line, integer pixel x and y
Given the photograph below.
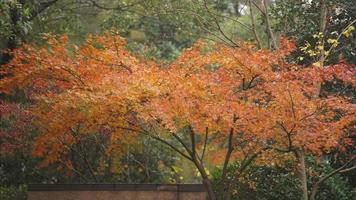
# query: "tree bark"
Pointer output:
{"type": "Point", "coordinates": [224, 184]}
{"type": "Point", "coordinates": [322, 28]}
{"type": "Point", "coordinates": [302, 175]}
{"type": "Point", "coordinates": [206, 181]}
{"type": "Point", "coordinates": [209, 187]}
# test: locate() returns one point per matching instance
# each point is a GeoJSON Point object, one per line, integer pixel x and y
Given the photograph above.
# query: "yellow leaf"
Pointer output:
{"type": "Point", "coordinates": [317, 64]}
{"type": "Point", "coordinates": [348, 31]}
{"type": "Point", "coordinates": [331, 41]}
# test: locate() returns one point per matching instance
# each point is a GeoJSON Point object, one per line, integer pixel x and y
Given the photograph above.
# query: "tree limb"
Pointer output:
{"type": "Point", "coordinates": [205, 143]}
{"type": "Point", "coordinates": [257, 38]}
{"type": "Point", "coordinates": [323, 179]}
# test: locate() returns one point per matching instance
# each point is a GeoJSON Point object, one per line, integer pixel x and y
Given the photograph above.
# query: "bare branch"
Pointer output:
{"type": "Point", "coordinates": [258, 7]}
{"type": "Point", "coordinates": [348, 169]}
{"type": "Point", "coordinates": [257, 38]}
{"type": "Point", "coordinates": [292, 104]}
{"type": "Point", "coordinates": [323, 179]}
{"type": "Point", "coordinates": [192, 138]}
{"type": "Point", "coordinates": [205, 143]}
{"type": "Point", "coordinates": [218, 25]}
{"type": "Point", "coordinates": [230, 149]}
{"type": "Point", "coordinates": [142, 131]}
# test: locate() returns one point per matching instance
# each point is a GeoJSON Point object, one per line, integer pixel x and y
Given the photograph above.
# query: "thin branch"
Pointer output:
{"type": "Point", "coordinates": [158, 139]}
{"type": "Point", "coordinates": [218, 25]}
{"type": "Point", "coordinates": [289, 135]}
{"type": "Point", "coordinates": [292, 104]}
{"type": "Point", "coordinates": [68, 70]}
{"type": "Point", "coordinates": [118, 55]}
{"type": "Point", "coordinates": [205, 143]}
{"type": "Point", "coordinates": [249, 85]}
{"type": "Point", "coordinates": [212, 33]}
{"type": "Point", "coordinates": [309, 115]}
{"type": "Point", "coordinates": [184, 145]}
{"type": "Point", "coordinates": [192, 138]}
{"type": "Point", "coordinates": [258, 7]}
{"type": "Point", "coordinates": [75, 171]}
{"type": "Point", "coordinates": [121, 8]}
{"type": "Point", "coordinates": [234, 20]}
{"type": "Point", "coordinates": [257, 38]}
{"type": "Point", "coordinates": [84, 155]}
{"type": "Point", "coordinates": [318, 183]}
{"type": "Point", "coordinates": [338, 38]}
{"type": "Point", "coordinates": [348, 169]}
{"type": "Point", "coordinates": [230, 149]}
{"type": "Point", "coordinates": [171, 146]}
{"type": "Point", "coordinates": [244, 164]}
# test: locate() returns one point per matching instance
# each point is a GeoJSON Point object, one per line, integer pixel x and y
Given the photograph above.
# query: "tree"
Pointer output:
{"type": "Point", "coordinates": [306, 19]}
{"type": "Point", "coordinates": [152, 29]}
{"type": "Point", "coordinates": [243, 103]}
{"type": "Point", "coordinates": [16, 22]}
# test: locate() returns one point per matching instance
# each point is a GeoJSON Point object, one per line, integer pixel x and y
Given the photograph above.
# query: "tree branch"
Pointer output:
{"type": "Point", "coordinates": [254, 26]}
{"type": "Point", "coordinates": [218, 25]}
{"type": "Point", "coordinates": [268, 26]}
{"type": "Point", "coordinates": [205, 143]}
{"type": "Point", "coordinates": [323, 179]}
{"type": "Point", "coordinates": [158, 139]}
{"type": "Point", "coordinates": [121, 8]}
{"type": "Point", "coordinates": [192, 138]}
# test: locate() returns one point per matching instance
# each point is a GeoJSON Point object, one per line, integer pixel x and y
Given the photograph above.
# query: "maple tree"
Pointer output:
{"type": "Point", "coordinates": [234, 104]}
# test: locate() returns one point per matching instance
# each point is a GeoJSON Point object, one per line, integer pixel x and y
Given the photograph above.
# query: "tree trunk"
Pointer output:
{"type": "Point", "coordinates": [268, 26]}
{"type": "Point", "coordinates": [224, 185]}
{"type": "Point", "coordinates": [302, 173]}
{"type": "Point", "coordinates": [253, 24]}
{"type": "Point", "coordinates": [209, 187]}
{"type": "Point", "coordinates": [206, 181]}
{"type": "Point", "coordinates": [322, 28]}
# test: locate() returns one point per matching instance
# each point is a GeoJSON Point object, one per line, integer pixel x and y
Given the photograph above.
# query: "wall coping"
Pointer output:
{"type": "Point", "coordinates": [117, 187]}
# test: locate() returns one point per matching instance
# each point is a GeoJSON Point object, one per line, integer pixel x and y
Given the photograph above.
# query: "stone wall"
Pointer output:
{"type": "Point", "coordinates": [116, 192]}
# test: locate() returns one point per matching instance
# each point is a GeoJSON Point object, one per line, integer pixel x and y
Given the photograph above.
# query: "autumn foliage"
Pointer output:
{"type": "Point", "coordinates": [267, 106]}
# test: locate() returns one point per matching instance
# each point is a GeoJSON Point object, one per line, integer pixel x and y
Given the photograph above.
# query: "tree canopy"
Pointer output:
{"type": "Point", "coordinates": [227, 103]}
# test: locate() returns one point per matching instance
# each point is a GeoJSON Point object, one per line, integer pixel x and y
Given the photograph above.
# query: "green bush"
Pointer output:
{"type": "Point", "coordinates": [271, 183]}
{"type": "Point", "coordinates": [13, 192]}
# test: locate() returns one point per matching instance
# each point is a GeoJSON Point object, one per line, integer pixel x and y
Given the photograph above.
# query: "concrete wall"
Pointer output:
{"type": "Point", "coordinates": [117, 192]}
